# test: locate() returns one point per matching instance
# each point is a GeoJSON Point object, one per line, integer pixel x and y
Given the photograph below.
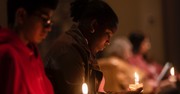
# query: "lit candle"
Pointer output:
{"type": "Point", "coordinates": [136, 78]}
{"type": "Point", "coordinates": [172, 77]}
{"type": "Point", "coordinates": [84, 88]}
{"type": "Point", "coordinates": [137, 85]}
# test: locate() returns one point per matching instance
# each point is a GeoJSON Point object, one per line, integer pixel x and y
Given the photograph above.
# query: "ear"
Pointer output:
{"type": "Point", "coordinates": [20, 16]}
{"type": "Point", "coordinates": [93, 25]}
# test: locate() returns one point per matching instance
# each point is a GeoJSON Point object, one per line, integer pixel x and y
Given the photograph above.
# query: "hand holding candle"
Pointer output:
{"type": "Point", "coordinates": [137, 85]}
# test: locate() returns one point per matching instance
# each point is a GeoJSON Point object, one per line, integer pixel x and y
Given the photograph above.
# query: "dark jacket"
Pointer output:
{"type": "Point", "coordinates": [70, 63]}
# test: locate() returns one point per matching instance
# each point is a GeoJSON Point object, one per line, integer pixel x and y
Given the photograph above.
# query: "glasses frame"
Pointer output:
{"type": "Point", "coordinates": [46, 20]}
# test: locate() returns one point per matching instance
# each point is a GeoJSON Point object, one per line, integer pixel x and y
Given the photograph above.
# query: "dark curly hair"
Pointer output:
{"type": "Point", "coordinates": [94, 9]}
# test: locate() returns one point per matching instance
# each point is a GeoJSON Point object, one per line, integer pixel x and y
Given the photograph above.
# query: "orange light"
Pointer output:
{"type": "Point", "coordinates": [84, 88]}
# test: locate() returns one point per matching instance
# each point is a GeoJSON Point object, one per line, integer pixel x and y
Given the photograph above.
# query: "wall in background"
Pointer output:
{"type": "Point", "coordinates": [3, 14]}
{"type": "Point", "coordinates": [145, 15]}
{"type": "Point", "coordinates": [171, 20]}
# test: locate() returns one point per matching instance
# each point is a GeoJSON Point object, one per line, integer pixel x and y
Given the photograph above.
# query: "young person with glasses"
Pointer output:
{"type": "Point", "coordinates": [21, 68]}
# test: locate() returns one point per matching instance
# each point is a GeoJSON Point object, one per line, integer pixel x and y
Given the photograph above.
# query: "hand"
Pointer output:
{"type": "Point", "coordinates": [138, 91]}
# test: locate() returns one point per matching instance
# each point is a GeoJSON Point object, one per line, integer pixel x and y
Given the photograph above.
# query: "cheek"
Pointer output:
{"type": "Point", "coordinates": [144, 49]}
{"type": "Point", "coordinates": [101, 43]}
{"type": "Point", "coordinates": [35, 34]}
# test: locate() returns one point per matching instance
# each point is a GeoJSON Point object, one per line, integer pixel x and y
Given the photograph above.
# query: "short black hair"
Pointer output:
{"type": "Point", "coordinates": [94, 9]}
{"type": "Point", "coordinates": [29, 5]}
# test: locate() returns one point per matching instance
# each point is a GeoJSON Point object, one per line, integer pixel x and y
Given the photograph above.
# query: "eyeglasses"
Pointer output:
{"type": "Point", "coordinates": [46, 21]}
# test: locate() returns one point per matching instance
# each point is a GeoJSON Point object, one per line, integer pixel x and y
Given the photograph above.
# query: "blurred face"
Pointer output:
{"type": "Point", "coordinates": [145, 46]}
{"type": "Point", "coordinates": [36, 26]}
{"type": "Point", "coordinates": [127, 52]}
{"type": "Point", "coordinates": [101, 41]}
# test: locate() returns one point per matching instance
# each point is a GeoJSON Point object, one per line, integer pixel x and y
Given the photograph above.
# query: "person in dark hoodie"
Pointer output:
{"type": "Point", "coordinates": [71, 61]}
{"type": "Point", "coordinates": [21, 68]}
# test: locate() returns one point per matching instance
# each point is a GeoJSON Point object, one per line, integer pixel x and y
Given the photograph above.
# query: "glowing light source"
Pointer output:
{"type": "Point", "coordinates": [136, 76]}
{"type": "Point", "coordinates": [136, 85]}
{"type": "Point", "coordinates": [84, 88]}
{"type": "Point", "coordinates": [172, 77]}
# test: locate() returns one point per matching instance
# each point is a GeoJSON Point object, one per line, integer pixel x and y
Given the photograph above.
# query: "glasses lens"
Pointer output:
{"type": "Point", "coordinates": [46, 21]}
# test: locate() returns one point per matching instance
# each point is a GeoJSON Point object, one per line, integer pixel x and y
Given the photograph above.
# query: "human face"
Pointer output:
{"type": "Point", "coordinates": [145, 46]}
{"type": "Point", "coordinates": [101, 41]}
{"type": "Point", "coordinates": [36, 26]}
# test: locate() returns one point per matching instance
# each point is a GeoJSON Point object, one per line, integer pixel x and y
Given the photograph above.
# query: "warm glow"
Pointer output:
{"type": "Point", "coordinates": [172, 71]}
{"type": "Point", "coordinates": [84, 88]}
{"type": "Point", "coordinates": [136, 76]}
{"type": "Point", "coordinates": [134, 87]}
{"type": "Point", "coordinates": [49, 21]}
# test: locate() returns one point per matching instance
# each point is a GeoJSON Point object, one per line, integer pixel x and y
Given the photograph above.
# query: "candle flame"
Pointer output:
{"type": "Point", "coordinates": [84, 88]}
{"type": "Point", "coordinates": [136, 76]}
{"type": "Point", "coordinates": [172, 71]}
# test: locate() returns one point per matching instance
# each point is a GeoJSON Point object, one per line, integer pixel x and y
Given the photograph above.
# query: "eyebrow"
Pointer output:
{"type": "Point", "coordinates": [43, 13]}
{"type": "Point", "coordinates": [109, 30]}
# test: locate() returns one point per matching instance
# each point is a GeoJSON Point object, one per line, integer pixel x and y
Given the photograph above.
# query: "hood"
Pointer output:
{"type": "Point", "coordinates": [5, 35]}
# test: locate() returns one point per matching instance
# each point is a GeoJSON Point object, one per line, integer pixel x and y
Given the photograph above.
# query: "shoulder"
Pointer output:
{"type": "Point", "coordinates": [6, 48]}
{"type": "Point", "coordinates": [7, 53]}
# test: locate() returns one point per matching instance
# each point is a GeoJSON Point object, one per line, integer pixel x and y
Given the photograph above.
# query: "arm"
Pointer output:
{"type": "Point", "coordinates": [9, 75]}
{"type": "Point", "coordinates": [66, 70]}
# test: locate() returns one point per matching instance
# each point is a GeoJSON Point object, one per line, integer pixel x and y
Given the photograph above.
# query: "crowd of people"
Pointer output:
{"type": "Point", "coordinates": [127, 55]}
{"type": "Point", "coordinates": [71, 61]}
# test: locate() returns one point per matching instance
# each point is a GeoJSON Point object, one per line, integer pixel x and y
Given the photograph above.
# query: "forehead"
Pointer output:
{"type": "Point", "coordinates": [45, 11]}
{"type": "Point", "coordinates": [111, 31]}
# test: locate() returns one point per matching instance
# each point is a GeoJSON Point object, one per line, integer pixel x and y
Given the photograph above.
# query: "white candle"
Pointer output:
{"type": "Point", "coordinates": [84, 88]}
{"type": "Point", "coordinates": [172, 77]}
{"type": "Point", "coordinates": [172, 71]}
{"type": "Point", "coordinates": [163, 72]}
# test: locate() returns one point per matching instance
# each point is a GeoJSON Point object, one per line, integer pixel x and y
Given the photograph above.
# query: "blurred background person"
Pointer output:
{"type": "Point", "coordinates": [117, 71]}
{"type": "Point", "coordinates": [141, 45]}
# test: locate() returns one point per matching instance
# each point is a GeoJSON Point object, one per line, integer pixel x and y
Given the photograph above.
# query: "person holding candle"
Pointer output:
{"type": "Point", "coordinates": [114, 64]}
{"type": "Point", "coordinates": [141, 46]}
{"type": "Point", "coordinates": [21, 68]}
{"type": "Point", "coordinates": [71, 61]}
{"type": "Point", "coordinates": [170, 85]}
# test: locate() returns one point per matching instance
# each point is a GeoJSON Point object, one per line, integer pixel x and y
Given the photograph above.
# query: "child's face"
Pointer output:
{"type": "Point", "coordinates": [35, 27]}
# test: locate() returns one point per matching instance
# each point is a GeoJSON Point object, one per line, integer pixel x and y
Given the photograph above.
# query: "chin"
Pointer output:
{"type": "Point", "coordinates": [38, 41]}
{"type": "Point", "coordinates": [100, 50]}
